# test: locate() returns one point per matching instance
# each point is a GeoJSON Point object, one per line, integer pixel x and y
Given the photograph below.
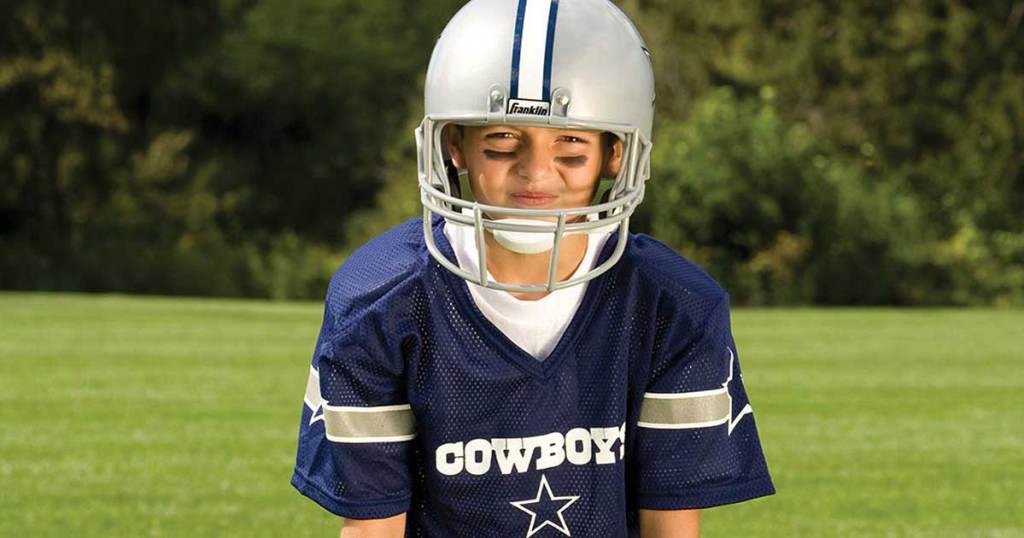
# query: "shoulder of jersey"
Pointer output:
{"type": "Point", "coordinates": [381, 267]}
{"type": "Point", "coordinates": [672, 272]}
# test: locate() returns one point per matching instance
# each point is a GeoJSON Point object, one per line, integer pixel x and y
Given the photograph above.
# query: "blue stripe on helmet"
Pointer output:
{"type": "Point", "coordinates": [548, 48]}
{"type": "Point", "coordinates": [517, 44]}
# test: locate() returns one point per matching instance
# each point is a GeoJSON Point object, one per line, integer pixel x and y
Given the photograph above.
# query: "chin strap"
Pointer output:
{"type": "Point", "coordinates": [525, 242]}
{"type": "Point", "coordinates": [540, 241]}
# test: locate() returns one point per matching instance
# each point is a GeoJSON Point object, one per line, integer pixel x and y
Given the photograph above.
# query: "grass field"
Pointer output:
{"type": "Point", "coordinates": [123, 416]}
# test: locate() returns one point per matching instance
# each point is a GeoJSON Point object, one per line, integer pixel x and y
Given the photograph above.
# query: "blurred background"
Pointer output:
{"type": "Point", "coordinates": [835, 153]}
{"type": "Point", "coordinates": [806, 153]}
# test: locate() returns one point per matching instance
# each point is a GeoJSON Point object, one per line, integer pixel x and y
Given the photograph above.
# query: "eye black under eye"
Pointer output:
{"type": "Point", "coordinates": [492, 154]}
{"type": "Point", "coordinates": [573, 161]}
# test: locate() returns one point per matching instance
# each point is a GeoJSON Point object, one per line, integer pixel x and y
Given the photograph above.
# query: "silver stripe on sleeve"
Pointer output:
{"type": "Point", "coordinates": [685, 410]}
{"type": "Point", "coordinates": [380, 424]}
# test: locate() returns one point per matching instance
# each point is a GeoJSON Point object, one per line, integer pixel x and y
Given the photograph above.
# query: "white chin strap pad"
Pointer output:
{"type": "Point", "coordinates": [525, 242]}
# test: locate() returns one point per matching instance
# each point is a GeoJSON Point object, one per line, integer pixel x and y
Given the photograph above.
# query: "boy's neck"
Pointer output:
{"type": "Point", "coordinates": [532, 269]}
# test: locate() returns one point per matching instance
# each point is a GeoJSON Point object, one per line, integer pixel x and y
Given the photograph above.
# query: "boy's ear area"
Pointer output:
{"type": "Point", "coordinates": [453, 143]}
{"type": "Point", "coordinates": [613, 158]}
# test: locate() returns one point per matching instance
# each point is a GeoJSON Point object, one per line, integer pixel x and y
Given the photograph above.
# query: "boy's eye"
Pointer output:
{"type": "Point", "coordinates": [502, 135]}
{"type": "Point", "coordinates": [492, 154]}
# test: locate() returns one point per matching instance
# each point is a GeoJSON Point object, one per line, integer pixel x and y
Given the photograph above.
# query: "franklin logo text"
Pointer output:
{"type": "Point", "coordinates": [524, 107]}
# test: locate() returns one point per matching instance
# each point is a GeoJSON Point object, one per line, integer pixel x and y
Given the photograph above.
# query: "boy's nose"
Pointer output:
{"type": "Point", "coordinates": [535, 165]}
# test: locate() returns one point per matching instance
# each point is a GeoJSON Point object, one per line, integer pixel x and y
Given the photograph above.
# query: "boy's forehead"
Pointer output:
{"type": "Point", "coordinates": [531, 129]}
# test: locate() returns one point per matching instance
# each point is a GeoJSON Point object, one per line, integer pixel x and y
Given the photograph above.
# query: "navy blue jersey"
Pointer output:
{"type": "Point", "coordinates": [416, 403]}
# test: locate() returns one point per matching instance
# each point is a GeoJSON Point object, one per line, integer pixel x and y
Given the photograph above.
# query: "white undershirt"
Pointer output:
{"type": "Point", "coordinates": [535, 326]}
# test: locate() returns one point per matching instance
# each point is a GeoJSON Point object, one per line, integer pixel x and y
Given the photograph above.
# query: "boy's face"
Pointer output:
{"type": "Point", "coordinates": [533, 167]}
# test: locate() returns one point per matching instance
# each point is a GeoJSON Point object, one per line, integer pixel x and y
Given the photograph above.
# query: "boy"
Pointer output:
{"type": "Point", "coordinates": [516, 363]}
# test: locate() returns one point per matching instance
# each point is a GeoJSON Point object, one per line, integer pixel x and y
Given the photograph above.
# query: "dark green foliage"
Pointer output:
{"type": "Point", "coordinates": [774, 213]}
{"type": "Point", "coordinates": [917, 110]}
{"type": "Point", "coordinates": [836, 152]}
{"type": "Point", "coordinates": [296, 102]}
{"type": "Point", "coordinates": [197, 149]}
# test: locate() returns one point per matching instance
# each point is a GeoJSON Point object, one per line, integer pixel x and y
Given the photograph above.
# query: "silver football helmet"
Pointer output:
{"type": "Point", "coordinates": [577, 64]}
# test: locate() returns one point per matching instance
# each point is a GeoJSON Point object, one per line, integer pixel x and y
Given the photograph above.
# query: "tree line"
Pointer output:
{"type": "Point", "coordinates": [805, 153]}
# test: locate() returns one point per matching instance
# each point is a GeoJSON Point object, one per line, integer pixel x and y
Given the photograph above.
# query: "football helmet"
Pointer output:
{"type": "Point", "coordinates": [578, 64]}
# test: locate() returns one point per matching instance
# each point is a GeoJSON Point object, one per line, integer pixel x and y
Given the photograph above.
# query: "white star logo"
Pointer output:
{"type": "Point", "coordinates": [734, 419]}
{"type": "Point", "coordinates": [318, 414]}
{"type": "Point", "coordinates": [312, 399]}
{"type": "Point", "coordinates": [544, 496]}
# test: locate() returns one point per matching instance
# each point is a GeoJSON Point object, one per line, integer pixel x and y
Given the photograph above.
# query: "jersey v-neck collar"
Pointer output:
{"type": "Point", "coordinates": [535, 326]}
{"type": "Point", "coordinates": [497, 339]}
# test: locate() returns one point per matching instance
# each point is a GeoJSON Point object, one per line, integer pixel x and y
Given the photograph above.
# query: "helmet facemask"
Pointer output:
{"type": "Point", "coordinates": [516, 228]}
{"type": "Point", "coordinates": [575, 64]}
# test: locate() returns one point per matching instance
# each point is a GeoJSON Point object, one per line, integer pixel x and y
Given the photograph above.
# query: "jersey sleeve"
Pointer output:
{"type": "Point", "coordinates": [355, 438]}
{"type": "Point", "coordinates": [696, 443]}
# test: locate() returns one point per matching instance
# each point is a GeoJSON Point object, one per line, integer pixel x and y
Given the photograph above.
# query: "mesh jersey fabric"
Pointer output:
{"type": "Point", "coordinates": [506, 445]}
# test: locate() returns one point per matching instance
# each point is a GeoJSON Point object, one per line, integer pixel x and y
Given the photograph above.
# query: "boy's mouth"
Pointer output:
{"type": "Point", "coordinates": [533, 199]}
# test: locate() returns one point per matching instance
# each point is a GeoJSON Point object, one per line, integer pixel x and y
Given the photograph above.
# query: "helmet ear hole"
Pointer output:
{"type": "Point", "coordinates": [454, 186]}
{"type": "Point", "coordinates": [604, 200]}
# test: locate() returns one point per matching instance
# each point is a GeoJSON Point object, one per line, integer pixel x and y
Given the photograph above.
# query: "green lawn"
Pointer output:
{"type": "Point", "coordinates": [124, 416]}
